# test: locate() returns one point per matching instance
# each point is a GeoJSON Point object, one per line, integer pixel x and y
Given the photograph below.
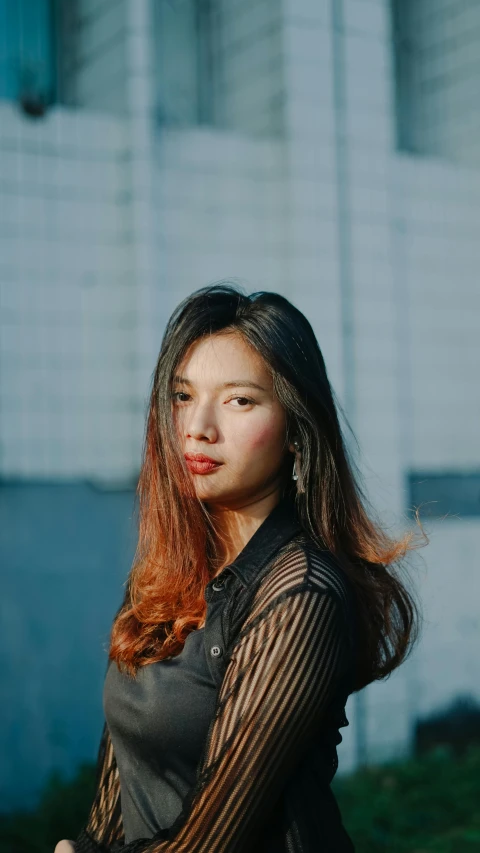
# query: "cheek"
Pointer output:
{"type": "Point", "coordinates": [264, 438]}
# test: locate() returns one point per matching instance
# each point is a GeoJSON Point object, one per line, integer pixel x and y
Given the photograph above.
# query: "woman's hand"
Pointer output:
{"type": "Point", "coordinates": [65, 846]}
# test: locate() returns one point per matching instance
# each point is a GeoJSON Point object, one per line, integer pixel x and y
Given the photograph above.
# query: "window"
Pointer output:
{"type": "Point", "coordinates": [27, 53]}
{"type": "Point", "coordinates": [437, 75]}
{"type": "Point", "coordinates": [405, 62]}
{"type": "Point", "coordinates": [220, 64]}
{"type": "Point", "coordinates": [438, 494]}
{"type": "Point", "coordinates": [184, 59]}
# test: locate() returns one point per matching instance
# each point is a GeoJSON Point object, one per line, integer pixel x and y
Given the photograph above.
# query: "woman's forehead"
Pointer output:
{"type": "Point", "coordinates": [222, 356]}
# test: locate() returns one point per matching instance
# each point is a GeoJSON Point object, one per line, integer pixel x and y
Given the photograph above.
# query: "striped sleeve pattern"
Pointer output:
{"type": "Point", "coordinates": [105, 823]}
{"type": "Point", "coordinates": [282, 673]}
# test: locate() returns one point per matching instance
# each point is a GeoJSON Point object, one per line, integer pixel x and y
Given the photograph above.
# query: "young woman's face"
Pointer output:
{"type": "Point", "coordinates": [224, 408]}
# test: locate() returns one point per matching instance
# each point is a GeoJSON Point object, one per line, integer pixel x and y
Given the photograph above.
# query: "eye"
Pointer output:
{"type": "Point", "coordinates": [246, 399]}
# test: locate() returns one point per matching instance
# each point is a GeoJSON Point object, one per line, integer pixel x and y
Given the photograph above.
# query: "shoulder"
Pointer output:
{"type": "Point", "coordinates": [303, 566]}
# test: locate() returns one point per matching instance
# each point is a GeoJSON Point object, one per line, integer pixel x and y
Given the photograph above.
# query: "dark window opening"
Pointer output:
{"type": "Point", "coordinates": [36, 52]}
{"type": "Point", "coordinates": [27, 53]}
{"type": "Point", "coordinates": [438, 495]}
{"type": "Point", "coordinates": [185, 62]}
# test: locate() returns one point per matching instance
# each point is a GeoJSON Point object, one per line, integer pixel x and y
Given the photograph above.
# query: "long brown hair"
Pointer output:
{"type": "Point", "coordinates": [164, 596]}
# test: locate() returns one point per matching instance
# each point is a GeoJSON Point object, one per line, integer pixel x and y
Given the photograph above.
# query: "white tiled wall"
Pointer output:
{"type": "Point", "coordinates": [67, 304]}
{"type": "Point", "coordinates": [223, 197]}
{"type": "Point", "coordinates": [440, 239]}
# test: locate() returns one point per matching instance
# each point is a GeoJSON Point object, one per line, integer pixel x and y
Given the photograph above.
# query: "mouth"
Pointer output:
{"type": "Point", "coordinates": [198, 463]}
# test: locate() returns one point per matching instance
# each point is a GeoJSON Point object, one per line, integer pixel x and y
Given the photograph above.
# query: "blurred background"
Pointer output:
{"type": "Point", "coordinates": [325, 149]}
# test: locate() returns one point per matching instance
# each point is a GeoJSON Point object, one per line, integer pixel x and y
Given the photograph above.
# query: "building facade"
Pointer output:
{"type": "Point", "coordinates": [324, 149]}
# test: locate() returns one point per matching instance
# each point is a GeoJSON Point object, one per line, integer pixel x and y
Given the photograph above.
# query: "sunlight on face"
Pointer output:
{"type": "Point", "coordinates": [241, 425]}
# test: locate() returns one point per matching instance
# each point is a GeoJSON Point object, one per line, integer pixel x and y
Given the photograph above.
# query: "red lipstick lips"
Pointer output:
{"type": "Point", "coordinates": [198, 463]}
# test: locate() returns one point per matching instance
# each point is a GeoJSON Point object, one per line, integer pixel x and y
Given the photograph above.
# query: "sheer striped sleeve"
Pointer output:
{"type": "Point", "coordinates": [104, 824]}
{"type": "Point", "coordinates": [282, 673]}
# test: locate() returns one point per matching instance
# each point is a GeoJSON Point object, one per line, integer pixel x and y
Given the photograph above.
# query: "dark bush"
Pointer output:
{"type": "Point", "coordinates": [62, 810]}
{"type": "Point", "coordinates": [430, 804]}
{"type": "Point", "coordinates": [456, 726]}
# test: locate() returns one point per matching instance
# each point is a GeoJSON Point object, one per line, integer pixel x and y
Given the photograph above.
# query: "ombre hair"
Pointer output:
{"type": "Point", "coordinates": [164, 595]}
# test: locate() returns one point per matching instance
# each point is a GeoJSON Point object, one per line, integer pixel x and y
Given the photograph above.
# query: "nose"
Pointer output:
{"type": "Point", "coordinates": [201, 434]}
{"type": "Point", "coordinates": [200, 424]}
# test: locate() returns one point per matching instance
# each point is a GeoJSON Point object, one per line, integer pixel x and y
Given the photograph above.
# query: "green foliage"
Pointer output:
{"type": "Point", "coordinates": [425, 805]}
{"type": "Point", "coordinates": [61, 812]}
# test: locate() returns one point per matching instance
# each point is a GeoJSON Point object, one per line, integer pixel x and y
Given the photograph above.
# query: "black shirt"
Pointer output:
{"type": "Point", "coordinates": [158, 723]}
{"type": "Point", "coordinates": [279, 640]}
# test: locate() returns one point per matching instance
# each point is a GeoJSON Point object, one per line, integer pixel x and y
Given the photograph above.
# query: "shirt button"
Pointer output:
{"type": "Point", "coordinates": [215, 651]}
{"type": "Point", "coordinates": [218, 585]}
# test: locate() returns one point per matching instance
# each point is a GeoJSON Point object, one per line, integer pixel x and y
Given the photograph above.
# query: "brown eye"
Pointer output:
{"type": "Point", "coordinates": [246, 399]}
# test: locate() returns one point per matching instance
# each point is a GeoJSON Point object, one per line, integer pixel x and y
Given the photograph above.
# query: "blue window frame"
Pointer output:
{"type": "Point", "coordinates": [27, 50]}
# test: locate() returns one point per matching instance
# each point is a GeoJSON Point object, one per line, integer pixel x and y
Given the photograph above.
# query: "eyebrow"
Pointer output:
{"type": "Point", "coordinates": [234, 383]}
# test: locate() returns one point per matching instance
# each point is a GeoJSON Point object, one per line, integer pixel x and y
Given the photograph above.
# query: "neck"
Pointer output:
{"type": "Point", "coordinates": [235, 526]}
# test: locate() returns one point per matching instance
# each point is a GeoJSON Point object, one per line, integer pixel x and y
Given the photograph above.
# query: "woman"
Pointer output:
{"type": "Point", "coordinates": [260, 597]}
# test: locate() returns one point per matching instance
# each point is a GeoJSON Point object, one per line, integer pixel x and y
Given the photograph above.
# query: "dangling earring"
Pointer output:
{"type": "Point", "coordinates": [297, 472]}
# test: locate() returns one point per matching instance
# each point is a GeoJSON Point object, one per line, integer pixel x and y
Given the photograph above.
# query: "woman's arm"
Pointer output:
{"type": "Point", "coordinates": [105, 824]}
{"type": "Point", "coordinates": [282, 674]}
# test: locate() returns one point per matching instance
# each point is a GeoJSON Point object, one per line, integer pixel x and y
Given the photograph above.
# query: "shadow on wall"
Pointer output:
{"type": "Point", "coordinates": [65, 551]}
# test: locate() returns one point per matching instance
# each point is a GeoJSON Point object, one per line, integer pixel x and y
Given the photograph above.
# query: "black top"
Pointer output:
{"type": "Point", "coordinates": [158, 724]}
{"type": "Point", "coordinates": [279, 639]}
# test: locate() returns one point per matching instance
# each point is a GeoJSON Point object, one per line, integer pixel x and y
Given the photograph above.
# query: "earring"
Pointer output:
{"type": "Point", "coordinates": [297, 472]}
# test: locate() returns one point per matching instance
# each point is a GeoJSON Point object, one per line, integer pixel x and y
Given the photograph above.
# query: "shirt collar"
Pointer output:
{"type": "Point", "coordinates": [276, 530]}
